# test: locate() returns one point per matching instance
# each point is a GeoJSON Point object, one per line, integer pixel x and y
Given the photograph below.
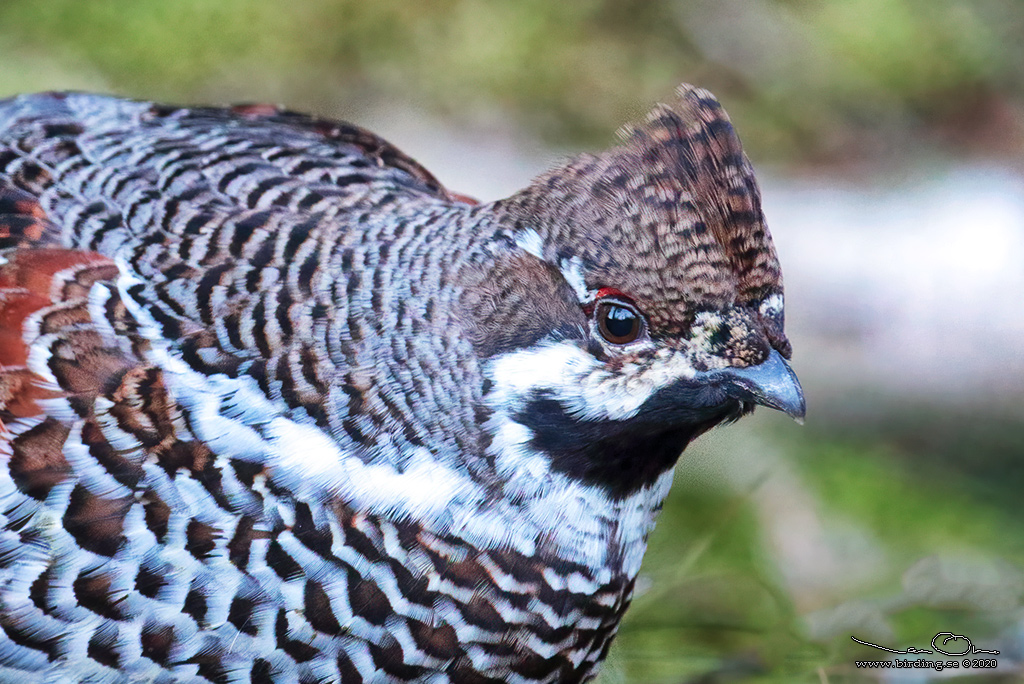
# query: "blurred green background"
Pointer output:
{"type": "Point", "coordinates": [889, 134]}
{"type": "Point", "coordinates": [829, 82]}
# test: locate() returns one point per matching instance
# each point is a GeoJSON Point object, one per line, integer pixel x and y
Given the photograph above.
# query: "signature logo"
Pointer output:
{"type": "Point", "coordinates": [939, 642]}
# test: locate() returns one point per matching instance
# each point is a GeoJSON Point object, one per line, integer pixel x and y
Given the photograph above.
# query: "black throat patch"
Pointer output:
{"type": "Point", "coordinates": [622, 456]}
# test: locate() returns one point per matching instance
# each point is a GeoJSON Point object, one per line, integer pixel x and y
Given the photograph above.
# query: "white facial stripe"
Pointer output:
{"type": "Point", "coordinates": [582, 383]}
{"type": "Point", "coordinates": [771, 306]}
{"type": "Point", "coordinates": [572, 271]}
{"type": "Point", "coordinates": [530, 241]}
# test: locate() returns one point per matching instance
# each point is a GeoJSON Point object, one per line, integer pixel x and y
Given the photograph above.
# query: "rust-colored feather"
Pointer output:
{"type": "Point", "coordinates": [49, 287]}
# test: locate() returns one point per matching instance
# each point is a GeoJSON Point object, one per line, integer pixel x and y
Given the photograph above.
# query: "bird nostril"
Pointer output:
{"type": "Point", "coordinates": [721, 336]}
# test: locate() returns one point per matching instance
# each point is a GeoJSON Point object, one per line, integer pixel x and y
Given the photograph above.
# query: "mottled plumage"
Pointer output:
{"type": "Point", "coordinates": [278, 407]}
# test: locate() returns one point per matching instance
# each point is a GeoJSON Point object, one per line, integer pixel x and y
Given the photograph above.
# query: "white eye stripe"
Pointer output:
{"type": "Point", "coordinates": [582, 383]}
{"type": "Point", "coordinates": [530, 241]}
{"type": "Point", "coordinates": [572, 270]}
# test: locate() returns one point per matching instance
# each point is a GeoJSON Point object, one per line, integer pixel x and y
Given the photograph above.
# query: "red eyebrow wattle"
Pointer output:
{"type": "Point", "coordinates": [611, 292]}
{"type": "Point", "coordinates": [601, 294]}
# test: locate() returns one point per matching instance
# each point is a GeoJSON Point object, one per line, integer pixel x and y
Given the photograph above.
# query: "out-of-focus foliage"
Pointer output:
{"type": "Point", "coordinates": [909, 532]}
{"type": "Point", "coordinates": [826, 81]}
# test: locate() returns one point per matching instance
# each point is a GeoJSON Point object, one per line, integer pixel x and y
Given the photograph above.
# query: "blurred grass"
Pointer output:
{"type": "Point", "coordinates": [947, 546]}
{"type": "Point", "coordinates": [711, 602]}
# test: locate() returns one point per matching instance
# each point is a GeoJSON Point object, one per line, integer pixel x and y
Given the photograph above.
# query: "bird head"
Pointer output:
{"type": "Point", "coordinates": [638, 304]}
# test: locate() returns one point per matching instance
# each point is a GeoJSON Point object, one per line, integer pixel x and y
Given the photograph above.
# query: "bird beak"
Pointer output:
{"type": "Point", "coordinates": [772, 384]}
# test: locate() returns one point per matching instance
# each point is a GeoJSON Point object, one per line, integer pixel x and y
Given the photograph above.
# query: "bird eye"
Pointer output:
{"type": "Point", "coordinates": [618, 323]}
